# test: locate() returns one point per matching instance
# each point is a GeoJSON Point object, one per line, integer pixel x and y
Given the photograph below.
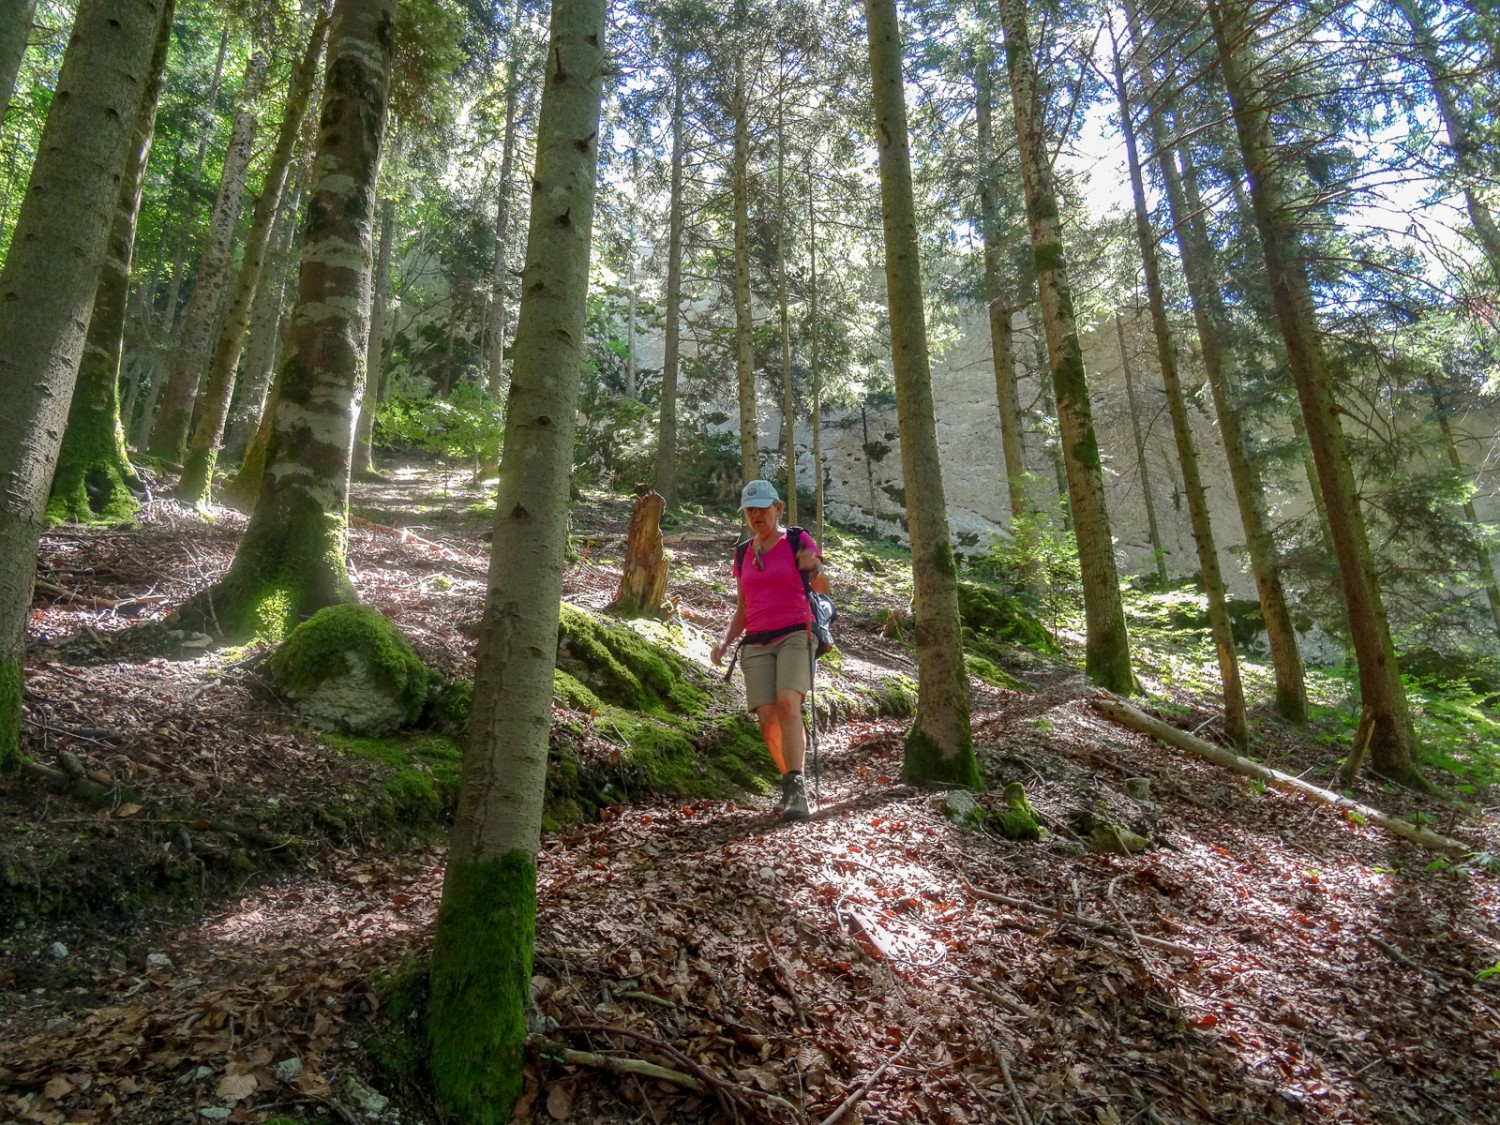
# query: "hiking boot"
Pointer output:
{"type": "Point", "coordinates": [794, 794]}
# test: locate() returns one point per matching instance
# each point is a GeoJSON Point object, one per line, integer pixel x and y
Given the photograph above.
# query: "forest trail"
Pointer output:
{"type": "Point", "coordinates": [1271, 960]}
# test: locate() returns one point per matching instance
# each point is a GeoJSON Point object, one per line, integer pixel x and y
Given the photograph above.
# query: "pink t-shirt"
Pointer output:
{"type": "Point", "coordinates": [774, 597]}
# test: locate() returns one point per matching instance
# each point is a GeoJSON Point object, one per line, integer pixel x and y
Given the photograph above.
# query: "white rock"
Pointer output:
{"type": "Point", "coordinates": [288, 1069]}
{"type": "Point", "coordinates": [156, 961]}
{"type": "Point", "coordinates": [58, 950]}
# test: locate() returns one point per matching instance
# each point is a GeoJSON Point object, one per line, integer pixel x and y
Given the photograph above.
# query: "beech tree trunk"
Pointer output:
{"type": "Point", "coordinates": [15, 30]}
{"type": "Point", "coordinates": [1236, 727]}
{"type": "Point", "coordinates": [486, 925]}
{"type": "Point", "coordinates": [744, 356]}
{"type": "Point", "coordinates": [666, 433]}
{"type": "Point", "coordinates": [1157, 550]}
{"type": "Point", "coordinates": [939, 746]}
{"type": "Point", "coordinates": [47, 289]}
{"type": "Point", "coordinates": [196, 485]}
{"type": "Point", "coordinates": [94, 480]}
{"type": "Point", "coordinates": [1391, 743]}
{"type": "Point", "coordinates": [291, 560]}
{"type": "Point", "coordinates": [1107, 645]}
{"type": "Point", "coordinates": [174, 410]}
{"type": "Point", "coordinates": [1211, 321]}
{"type": "Point", "coordinates": [364, 457]}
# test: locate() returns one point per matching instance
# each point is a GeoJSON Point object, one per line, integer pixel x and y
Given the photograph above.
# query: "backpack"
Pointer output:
{"type": "Point", "coordinates": [824, 613]}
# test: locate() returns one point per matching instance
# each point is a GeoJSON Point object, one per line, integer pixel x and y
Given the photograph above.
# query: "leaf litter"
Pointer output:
{"type": "Point", "coordinates": [1268, 961]}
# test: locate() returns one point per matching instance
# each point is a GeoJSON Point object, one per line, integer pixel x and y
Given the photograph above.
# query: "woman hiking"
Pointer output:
{"type": "Point", "coordinates": [772, 573]}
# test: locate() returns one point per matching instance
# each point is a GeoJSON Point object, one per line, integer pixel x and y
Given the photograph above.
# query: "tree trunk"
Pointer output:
{"type": "Point", "coordinates": [94, 480]}
{"type": "Point", "coordinates": [364, 457]}
{"type": "Point", "coordinates": [486, 926]}
{"type": "Point", "coordinates": [290, 562]}
{"type": "Point", "coordinates": [47, 288]}
{"type": "Point", "coordinates": [1391, 744]}
{"type": "Point", "coordinates": [744, 359]}
{"type": "Point", "coordinates": [1049, 412]}
{"type": "Point", "coordinates": [1236, 727]}
{"type": "Point", "coordinates": [666, 434]}
{"type": "Point", "coordinates": [939, 746]}
{"type": "Point", "coordinates": [196, 485]}
{"type": "Point", "coordinates": [1157, 551]}
{"type": "Point", "coordinates": [1459, 139]}
{"type": "Point", "coordinates": [814, 358]}
{"type": "Point", "coordinates": [998, 300]}
{"type": "Point", "coordinates": [267, 319]}
{"type": "Point", "coordinates": [643, 578]}
{"type": "Point", "coordinates": [15, 30]}
{"type": "Point", "coordinates": [1211, 320]}
{"type": "Point", "coordinates": [175, 408]}
{"type": "Point", "coordinates": [789, 419]}
{"type": "Point", "coordinates": [1107, 645]}
{"type": "Point", "coordinates": [495, 380]}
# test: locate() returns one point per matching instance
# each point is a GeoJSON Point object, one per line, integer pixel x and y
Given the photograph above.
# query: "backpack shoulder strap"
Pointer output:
{"type": "Point", "coordinates": [794, 540]}
{"type": "Point", "coordinates": [739, 555]}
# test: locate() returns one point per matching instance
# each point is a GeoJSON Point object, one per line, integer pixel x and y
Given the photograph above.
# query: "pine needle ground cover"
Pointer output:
{"type": "Point", "coordinates": [239, 931]}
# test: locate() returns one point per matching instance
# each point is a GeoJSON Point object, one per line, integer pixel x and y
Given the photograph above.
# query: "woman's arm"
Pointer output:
{"type": "Point", "coordinates": [731, 634]}
{"type": "Point", "coordinates": [811, 563]}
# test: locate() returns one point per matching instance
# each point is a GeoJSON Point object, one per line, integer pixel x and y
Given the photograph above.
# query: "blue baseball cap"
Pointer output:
{"type": "Point", "coordinates": [759, 494]}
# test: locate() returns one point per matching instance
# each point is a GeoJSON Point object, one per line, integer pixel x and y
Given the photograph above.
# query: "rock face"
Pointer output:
{"type": "Point", "coordinates": [348, 669]}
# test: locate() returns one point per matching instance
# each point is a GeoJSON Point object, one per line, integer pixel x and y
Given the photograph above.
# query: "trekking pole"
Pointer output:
{"type": "Point", "coordinates": [812, 699]}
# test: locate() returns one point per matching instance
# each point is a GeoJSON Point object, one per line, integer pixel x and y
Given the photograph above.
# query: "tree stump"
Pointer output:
{"type": "Point", "coordinates": [643, 585]}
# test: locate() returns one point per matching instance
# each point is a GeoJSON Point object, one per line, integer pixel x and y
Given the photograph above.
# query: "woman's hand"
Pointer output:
{"type": "Point", "coordinates": [808, 560]}
{"type": "Point", "coordinates": [717, 653]}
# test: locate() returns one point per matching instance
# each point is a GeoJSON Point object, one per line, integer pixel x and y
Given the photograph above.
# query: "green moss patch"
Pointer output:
{"type": "Point", "coordinates": [996, 615]}
{"type": "Point", "coordinates": [346, 641]}
{"type": "Point", "coordinates": [991, 673]}
{"type": "Point", "coordinates": [418, 782]}
{"type": "Point", "coordinates": [622, 667]}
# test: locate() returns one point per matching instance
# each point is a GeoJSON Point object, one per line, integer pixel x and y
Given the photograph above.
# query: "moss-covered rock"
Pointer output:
{"type": "Point", "coordinates": [989, 611]}
{"type": "Point", "coordinates": [622, 667]}
{"type": "Point", "coordinates": [349, 669]}
{"type": "Point", "coordinates": [991, 673]}
{"type": "Point", "coordinates": [1018, 821]}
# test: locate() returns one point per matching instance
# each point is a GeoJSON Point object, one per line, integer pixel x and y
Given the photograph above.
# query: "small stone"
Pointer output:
{"type": "Point", "coordinates": [371, 1103]}
{"type": "Point", "coordinates": [203, 1072]}
{"type": "Point", "coordinates": [767, 875]}
{"type": "Point", "coordinates": [1139, 788]}
{"type": "Point", "coordinates": [960, 807]}
{"type": "Point", "coordinates": [196, 640]}
{"type": "Point", "coordinates": [156, 961]}
{"type": "Point", "coordinates": [652, 850]}
{"type": "Point", "coordinates": [59, 1026]}
{"type": "Point", "coordinates": [58, 950]}
{"type": "Point", "coordinates": [288, 1069]}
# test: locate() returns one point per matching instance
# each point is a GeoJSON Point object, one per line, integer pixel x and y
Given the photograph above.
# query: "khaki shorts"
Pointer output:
{"type": "Point", "coordinates": [781, 665]}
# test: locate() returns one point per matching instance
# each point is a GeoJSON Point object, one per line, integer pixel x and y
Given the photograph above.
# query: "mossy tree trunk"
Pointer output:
{"type": "Point", "coordinates": [47, 288]}
{"type": "Point", "coordinates": [1211, 321]}
{"type": "Point", "coordinates": [940, 745]}
{"type": "Point", "coordinates": [94, 480]}
{"type": "Point", "coordinates": [1148, 501]}
{"type": "Point", "coordinates": [666, 430]}
{"type": "Point", "coordinates": [1107, 645]}
{"type": "Point", "coordinates": [1236, 726]}
{"type": "Point", "coordinates": [174, 410]}
{"type": "Point", "coordinates": [1384, 697]}
{"type": "Point", "coordinates": [15, 30]}
{"type": "Point", "coordinates": [267, 319]}
{"type": "Point", "coordinates": [364, 437]}
{"type": "Point", "coordinates": [744, 325]}
{"type": "Point", "coordinates": [999, 301]}
{"type": "Point", "coordinates": [196, 485]}
{"type": "Point", "coordinates": [291, 561]}
{"type": "Point", "coordinates": [486, 926]}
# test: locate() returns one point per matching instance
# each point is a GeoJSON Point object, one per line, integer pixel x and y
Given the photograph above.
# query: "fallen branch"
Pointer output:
{"type": "Point", "coordinates": [618, 1064]}
{"type": "Point", "coordinates": [864, 1087]}
{"type": "Point", "coordinates": [1079, 920]}
{"type": "Point", "coordinates": [1129, 716]}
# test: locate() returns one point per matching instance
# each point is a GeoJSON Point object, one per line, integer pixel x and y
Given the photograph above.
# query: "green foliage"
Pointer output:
{"type": "Point", "coordinates": [1040, 548]}
{"type": "Point", "coordinates": [466, 426]}
{"type": "Point", "coordinates": [994, 613]}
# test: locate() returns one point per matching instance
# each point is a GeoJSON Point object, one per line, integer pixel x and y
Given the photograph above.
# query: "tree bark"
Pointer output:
{"type": "Point", "coordinates": [1211, 321]}
{"type": "Point", "coordinates": [666, 432]}
{"type": "Point", "coordinates": [1236, 727]}
{"type": "Point", "coordinates": [1157, 550]}
{"type": "Point", "coordinates": [998, 299]}
{"type": "Point", "coordinates": [1107, 645]}
{"type": "Point", "coordinates": [1391, 745]}
{"type": "Point", "coordinates": [495, 380]}
{"type": "Point", "coordinates": [788, 415]}
{"type": "Point", "coordinates": [643, 575]}
{"type": "Point", "coordinates": [175, 408]}
{"type": "Point", "coordinates": [94, 480]}
{"type": "Point", "coordinates": [1483, 564]}
{"type": "Point", "coordinates": [814, 359]}
{"type": "Point", "coordinates": [364, 458]}
{"type": "Point", "coordinates": [47, 288]}
{"type": "Point", "coordinates": [939, 746]}
{"type": "Point", "coordinates": [291, 560]}
{"type": "Point", "coordinates": [15, 30]}
{"type": "Point", "coordinates": [744, 358]}
{"type": "Point", "coordinates": [196, 485]}
{"type": "Point", "coordinates": [482, 952]}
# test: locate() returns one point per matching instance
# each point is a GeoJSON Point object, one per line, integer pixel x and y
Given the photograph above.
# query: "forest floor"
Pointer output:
{"type": "Point", "coordinates": [214, 943]}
